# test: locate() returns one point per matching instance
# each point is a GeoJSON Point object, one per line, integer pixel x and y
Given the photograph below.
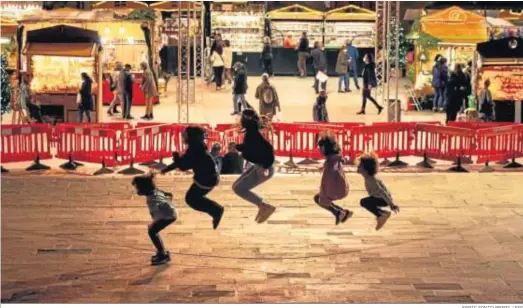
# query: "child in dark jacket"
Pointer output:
{"type": "Point", "coordinates": [379, 196]}
{"type": "Point", "coordinates": [259, 152]}
{"type": "Point", "coordinates": [334, 185]}
{"type": "Point", "coordinates": [206, 173]}
{"type": "Point", "coordinates": [319, 111]}
{"type": "Point", "coordinates": [162, 212]}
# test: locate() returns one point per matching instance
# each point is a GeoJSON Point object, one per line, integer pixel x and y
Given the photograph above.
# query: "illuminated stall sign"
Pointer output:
{"type": "Point", "coordinates": [506, 82]}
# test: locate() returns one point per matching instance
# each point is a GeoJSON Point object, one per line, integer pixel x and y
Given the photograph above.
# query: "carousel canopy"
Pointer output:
{"type": "Point", "coordinates": [455, 25]}
{"type": "Point", "coordinates": [506, 48]}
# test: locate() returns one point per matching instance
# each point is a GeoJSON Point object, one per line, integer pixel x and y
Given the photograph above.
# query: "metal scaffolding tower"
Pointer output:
{"type": "Point", "coordinates": [387, 57]}
{"type": "Point", "coordinates": [189, 89]}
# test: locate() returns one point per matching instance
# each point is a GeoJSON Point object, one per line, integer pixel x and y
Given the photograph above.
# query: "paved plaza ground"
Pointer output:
{"type": "Point", "coordinates": [458, 238]}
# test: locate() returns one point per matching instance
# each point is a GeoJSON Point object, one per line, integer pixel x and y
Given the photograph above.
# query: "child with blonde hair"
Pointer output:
{"type": "Point", "coordinates": [379, 196]}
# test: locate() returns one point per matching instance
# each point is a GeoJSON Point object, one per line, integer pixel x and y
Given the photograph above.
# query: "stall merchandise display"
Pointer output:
{"type": "Point", "coordinates": [243, 29]}
{"type": "Point", "coordinates": [59, 74]}
{"type": "Point", "coordinates": [170, 29]}
{"type": "Point", "coordinates": [506, 82]}
{"type": "Point", "coordinates": [280, 30]}
{"type": "Point", "coordinates": [362, 34]}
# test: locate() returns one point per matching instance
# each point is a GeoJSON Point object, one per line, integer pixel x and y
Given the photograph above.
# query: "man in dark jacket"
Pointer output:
{"type": "Point", "coordinates": [319, 61]}
{"type": "Point", "coordinates": [303, 53]}
{"type": "Point", "coordinates": [240, 88]}
{"type": "Point", "coordinates": [126, 79]}
{"type": "Point", "coordinates": [232, 162]}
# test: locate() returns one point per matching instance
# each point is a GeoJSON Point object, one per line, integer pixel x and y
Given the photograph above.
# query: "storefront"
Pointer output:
{"type": "Point", "coordinates": [56, 57]}
{"type": "Point", "coordinates": [456, 32]}
{"type": "Point", "coordinates": [349, 23]}
{"type": "Point", "coordinates": [243, 24]}
{"type": "Point", "coordinates": [122, 37]}
{"type": "Point", "coordinates": [501, 62]}
{"type": "Point", "coordinates": [293, 20]}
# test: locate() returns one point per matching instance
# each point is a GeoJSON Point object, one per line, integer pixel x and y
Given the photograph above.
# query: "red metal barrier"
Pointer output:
{"type": "Point", "coordinates": [85, 144]}
{"type": "Point", "coordinates": [478, 125]}
{"type": "Point", "coordinates": [305, 139]}
{"type": "Point", "coordinates": [443, 142]}
{"type": "Point", "coordinates": [26, 142]}
{"type": "Point", "coordinates": [145, 144]}
{"type": "Point", "coordinates": [385, 140]}
{"type": "Point", "coordinates": [283, 138]}
{"type": "Point", "coordinates": [499, 143]}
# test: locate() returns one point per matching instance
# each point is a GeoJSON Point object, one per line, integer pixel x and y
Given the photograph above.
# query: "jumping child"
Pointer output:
{"type": "Point", "coordinates": [334, 185]}
{"type": "Point", "coordinates": [162, 212]}
{"type": "Point", "coordinates": [256, 150]}
{"type": "Point", "coordinates": [206, 173]}
{"type": "Point", "coordinates": [379, 196]}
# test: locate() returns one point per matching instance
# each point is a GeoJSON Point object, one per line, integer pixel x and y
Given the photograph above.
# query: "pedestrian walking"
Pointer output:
{"type": "Point", "coordinates": [342, 65]}
{"type": "Point", "coordinates": [369, 82]}
{"type": "Point", "coordinates": [227, 58]}
{"type": "Point", "coordinates": [456, 89]}
{"type": "Point", "coordinates": [319, 110]}
{"type": "Point", "coordinates": [218, 65]}
{"type": "Point", "coordinates": [149, 90]}
{"type": "Point", "coordinates": [303, 54]}
{"type": "Point", "coordinates": [125, 83]}
{"type": "Point", "coordinates": [113, 85]}
{"type": "Point", "coordinates": [268, 98]}
{"type": "Point", "coordinates": [354, 56]}
{"type": "Point", "coordinates": [266, 56]}
{"type": "Point", "coordinates": [239, 88]}
{"type": "Point", "coordinates": [319, 61]}
{"type": "Point", "coordinates": [86, 98]}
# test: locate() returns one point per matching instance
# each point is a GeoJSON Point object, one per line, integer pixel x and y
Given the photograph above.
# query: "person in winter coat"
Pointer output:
{"type": "Point", "coordinates": [227, 58]}
{"type": "Point", "coordinates": [239, 88]}
{"type": "Point", "coordinates": [218, 65]}
{"type": "Point", "coordinates": [354, 56]}
{"type": "Point", "coordinates": [269, 102]}
{"type": "Point", "coordinates": [149, 90]}
{"type": "Point", "coordinates": [303, 54]}
{"type": "Point", "coordinates": [125, 83]}
{"type": "Point", "coordinates": [334, 185]}
{"type": "Point", "coordinates": [319, 61]}
{"type": "Point", "coordinates": [86, 98]}
{"type": "Point", "coordinates": [113, 85]}
{"type": "Point", "coordinates": [486, 104]}
{"type": "Point", "coordinates": [369, 82]}
{"type": "Point", "coordinates": [266, 56]}
{"type": "Point", "coordinates": [342, 66]}
{"type": "Point", "coordinates": [319, 111]}
{"type": "Point", "coordinates": [232, 162]}
{"type": "Point", "coordinates": [456, 91]}
{"type": "Point", "coordinates": [438, 84]}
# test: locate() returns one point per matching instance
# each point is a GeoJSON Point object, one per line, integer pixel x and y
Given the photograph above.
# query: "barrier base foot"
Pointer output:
{"type": "Point", "coordinates": [290, 164]}
{"type": "Point", "coordinates": [425, 164]}
{"type": "Point", "coordinates": [70, 165]}
{"type": "Point", "coordinates": [103, 171]}
{"type": "Point", "coordinates": [486, 169]}
{"type": "Point", "coordinates": [131, 171]}
{"type": "Point", "coordinates": [158, 166]}
{"type": "Point", "coordinates": [464, 161]}
{"type": "Point", "coordinates": [385, 162]}
{"type": "Point", "coordinates": [459, 168]}
{"type": "Point", "coordinates": [4, 170]}
{"type": "Point", "coordinates": [308, 161]}
{"type": "Point", "coordinates": [148, 163]}
{"type": "Point", "coordinates": [397, 163]}
{"type": "Point", "coordinates": [503, 162]}
{"type": "Point", "coordinates": [512, 165]}
{"type": "Point", "coordinates": [277, 162]}
{"type": "Point", "coordinates": [37, 166]}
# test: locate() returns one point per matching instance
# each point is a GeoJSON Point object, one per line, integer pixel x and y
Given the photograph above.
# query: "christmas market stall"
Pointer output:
{"type": "Point", "coordinates": [8, 28]}
{"type": "Point", "coordinates": [56, 57]}
{"type": "Point", "coordinates": [243, 24]}
{"type": "Point", "coordinates": [292, 21]}
{"type": "Point", "coordinates": [121, 28]}
{"type": "Point", "coordinates": [452, 33]}
{"type": "Point", "coordinates": [501, 62]}
{"type": "Point", "coordinates": [349, 23]}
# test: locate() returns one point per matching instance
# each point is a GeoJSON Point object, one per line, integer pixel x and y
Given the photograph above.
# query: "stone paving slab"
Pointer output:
{"type": "Point", "coordinates": [458, 238]}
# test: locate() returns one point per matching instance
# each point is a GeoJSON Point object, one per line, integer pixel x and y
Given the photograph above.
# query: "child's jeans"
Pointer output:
{"type": "Point", "coordinates": [155, 228]}
{"type": "Point", "coordinates": [373, 205]}
{"type": "Point", "coordinates": [251, 178]}
{"type": "Point", "coordinates": [343, 80]}
{"type": "Point", "coordinates": [195, 198]}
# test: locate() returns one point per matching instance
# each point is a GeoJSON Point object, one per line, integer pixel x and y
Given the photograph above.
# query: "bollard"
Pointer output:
{"type": "Point", "coordinates": [37, 166]}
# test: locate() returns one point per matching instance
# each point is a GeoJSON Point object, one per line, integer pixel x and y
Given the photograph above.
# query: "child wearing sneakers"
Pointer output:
{"type": "Point", "coordinates": [206, 173]}
{"type": "Point", "coordinates": [334, 186]}
{"type": "Point", "coordinates": [379, 196]}
{"type": "Point", "coordinates": [162, 212]}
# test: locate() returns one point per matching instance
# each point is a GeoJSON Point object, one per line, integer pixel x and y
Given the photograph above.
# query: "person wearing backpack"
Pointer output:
{"type": "Point", "coordinates": [269, 101]}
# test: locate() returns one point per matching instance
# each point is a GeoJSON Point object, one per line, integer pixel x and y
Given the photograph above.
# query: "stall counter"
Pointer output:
{"type": "Point", "coordinates": [138, 96]}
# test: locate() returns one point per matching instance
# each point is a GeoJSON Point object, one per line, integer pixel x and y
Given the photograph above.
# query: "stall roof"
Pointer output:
{"type": "Point", "coordinates": [71, 15]}
{"type": "Point", "coordinates": [170, 6]}
{"type": "Point", "coordinates": [350, 12]}
{"type": "Point", "coordinates": [63, 34]}
{"type": "Point", "coordinates": [120, 5]}
{"type": "Point", "coordinates": [498, 22]}
{"type": "Point", "coordinates": [455, 25]}
{"type": "Point", "coordinates": [295, 12]}
{"type": "Point", "coordinates": [8, 26]}
{"type": "Point", "coordinates": [61, 49]}
{"type": "Point", "coordinates": [512, 16]}
{"type": "Point", "coordinates": [501, 49]}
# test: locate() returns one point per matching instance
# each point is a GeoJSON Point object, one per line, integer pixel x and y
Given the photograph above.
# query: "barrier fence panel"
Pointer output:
{"type": "Point", "coordinates": [443, 142]}
{"type": "Point", "coordinates": [83, 144]}
{"type": "Point", "coordinates": [26, 142]}
{"type": "Point", "coordinates": [385, 140]}
{"type": "Point", "coordinates": [478, 125]}
{"type": "Point", "coordinates": [499, 143]}
{"type": "Point", "coordinates": [282, 139]}
{"type": "Point", "coordinates": [306, 139]}
{"type": "Point", "coordinates": [145, 144]}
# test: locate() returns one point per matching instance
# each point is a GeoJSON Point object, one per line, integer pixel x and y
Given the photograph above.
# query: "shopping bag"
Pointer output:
{"type": "Point", "coordinates": [322, 77]}
{"type": "Point", "coordinates": [78, 99]}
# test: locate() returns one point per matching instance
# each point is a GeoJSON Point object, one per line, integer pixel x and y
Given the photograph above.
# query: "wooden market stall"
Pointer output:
{"type": "Point", "coordinates": [56, 57]}
{"type": "Point", "coordinates": [349, 23]}
{"type": "Point", "coordinates": [501, 61]}
{"type": "Point", "coordinates": [457, 32]}
{"type": "Point", "coordinates": [122, 36]}
{"type": "Point", "coordinates": [8, 27]}
{"type": "Point", "coordinates": [293, 20]}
